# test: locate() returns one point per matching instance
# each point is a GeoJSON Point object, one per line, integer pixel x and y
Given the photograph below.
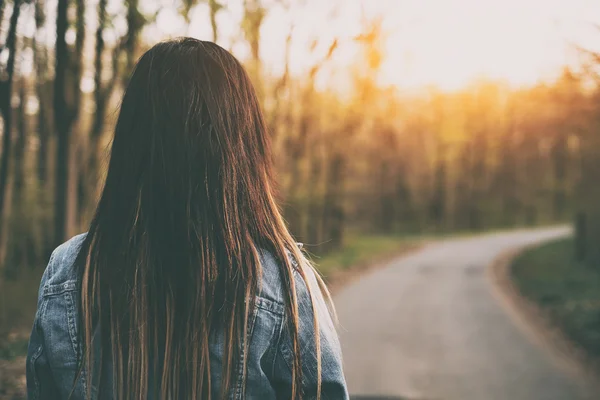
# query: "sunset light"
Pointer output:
{"type": "Point", "coordinates": [425, 42]}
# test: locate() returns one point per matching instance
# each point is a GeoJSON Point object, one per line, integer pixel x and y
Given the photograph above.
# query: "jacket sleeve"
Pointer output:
{"type": "Point", "coordinates": [40, 383]}
{"type": "Point", "coordinates": [333, 383]}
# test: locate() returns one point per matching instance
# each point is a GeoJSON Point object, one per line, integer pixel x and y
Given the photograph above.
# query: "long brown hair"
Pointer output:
{"type": "Point", "coordinates": [171, 254]}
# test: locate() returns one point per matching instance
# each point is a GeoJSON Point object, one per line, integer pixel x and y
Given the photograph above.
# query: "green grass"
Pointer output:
{"type": "Point", "coordinates": [361, 249]}
{"type": "Point", "coordinates": [569, 291]}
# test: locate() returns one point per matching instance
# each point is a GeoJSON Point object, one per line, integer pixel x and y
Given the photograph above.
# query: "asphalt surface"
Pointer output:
{"type": "Point", "coordinates": [429, 327]}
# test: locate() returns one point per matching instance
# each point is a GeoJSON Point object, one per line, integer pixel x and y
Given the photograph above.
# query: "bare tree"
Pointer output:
{"type": "Point", "coordinates": [6, 85]}
{"type": "Point", "coordinates": [66, 109]}
{"type": "Point", "coordinates": [43, 83]}
{"type": "Point", "coordinates": [89, 174]}
{"type": "Point", "coordinates": [130, 44]}
{"type": "Point", "coordinates": [2, 10]}
{"type": "Point", "coordinates": [506, 176]}
{"type": "Point", "coordinates": [254, 14]}
{"type": "Point", "coordinates": [214, 7]}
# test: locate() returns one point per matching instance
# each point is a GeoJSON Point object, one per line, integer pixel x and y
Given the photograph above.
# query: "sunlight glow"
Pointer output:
{"type": "Point", "coordinates": [450, 43]}
{"type": "Point", "coordinates": [446, 43]}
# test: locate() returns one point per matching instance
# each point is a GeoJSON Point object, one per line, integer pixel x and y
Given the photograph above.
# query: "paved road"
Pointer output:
{"type": "Point", "coordinates": [429, 327]}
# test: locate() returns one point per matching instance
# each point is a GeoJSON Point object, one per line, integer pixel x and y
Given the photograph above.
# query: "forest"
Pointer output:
{"type": "Point", "coordinates": [373, 160]}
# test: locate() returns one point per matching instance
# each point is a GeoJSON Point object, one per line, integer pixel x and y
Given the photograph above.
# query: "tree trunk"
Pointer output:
{"type": "Point", "coordinates": [478, 175]}
{"type": "Point", "coordinates": [214, 9]}
{"type": "Point", "coordinates": [580, 237]}
{"type": "Point", "coordinates": [5, 226]}
{"type": "Point", "coordinates": [62, 123]}
{"type": "Point", "coordinates": [20, 252]}
{"type": "Point", "coordinates": [254, 14]}
{"type": "Point", "coordinates": [589, 199]}
{"type": "Point", "coordinates": [386, 197]}
{"type": "Point", "coordinates": [43, 92]}
{"type": "Point", "coordinates": [2, 4]}
{"type": "Point", "coordinates": [437, 205]}
{"type": "Point", "coordinates": [314, 199]}
{"type": "Point", "coordinates": [89, 170]}
{"type": "Point", "coordinates": [44, 133]}
{"type": "Point", "coordinates": [67, 96]}
{"type": "Point", "coordinates": [135, 22]}
{"type": "Point", "coordinates": [6, 110]}
{"type": "Point", "coordinates": [20, 144]}
{"type": "Point", "coordinates": [507, 173]}
{"type": "Point", "coordinates": [333, 210]}
{"type": "Point", "coordinates": [405, 218]}
{"type": "Point", "coordinates": [560, 159]}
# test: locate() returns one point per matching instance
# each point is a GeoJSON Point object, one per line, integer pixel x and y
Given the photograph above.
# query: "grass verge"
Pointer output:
{"type": "Point", "coordinates": [361, 253]}
{"type": "Point", "coordinates": [568, 292]}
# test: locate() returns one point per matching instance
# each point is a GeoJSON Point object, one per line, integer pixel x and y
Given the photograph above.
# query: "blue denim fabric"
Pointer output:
{"type": "Point", "coordinates": [54, 347]}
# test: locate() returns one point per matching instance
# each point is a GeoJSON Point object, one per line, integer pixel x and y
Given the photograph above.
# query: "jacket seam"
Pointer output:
{"type": "Point", "coordinates": [59, 288]}
{"type": "Point", "coordinates": [277, 344]}
{"type": "Point", "coordinates": [71, 322]}
{"type": "Point", "coordinates": [286, 353]}
{"type": "Point", "coordinates": [244, 354]}
{"type": "Point", "coordinates": [272, 306]}
{"type": "Point", "coordinates": [40, 348]}
{"type": "Point", "coordinates": [32, 362]}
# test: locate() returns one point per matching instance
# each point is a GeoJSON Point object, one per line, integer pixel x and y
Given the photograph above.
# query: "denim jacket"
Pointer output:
{"type": "Point", "coordinates": [54, 347]}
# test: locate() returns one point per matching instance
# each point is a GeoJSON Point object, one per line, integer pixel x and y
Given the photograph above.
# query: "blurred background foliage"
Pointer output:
{"type": "Point", "coordinates": [360, 157]}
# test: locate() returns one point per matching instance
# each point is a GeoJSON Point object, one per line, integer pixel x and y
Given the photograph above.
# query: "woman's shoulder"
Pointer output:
{"type": "Point", "coordinates": [272, 282]}
{"type": "Point", "coordinates": [60, 274]}
{"type": "Point", "coordinates": [274, 277]}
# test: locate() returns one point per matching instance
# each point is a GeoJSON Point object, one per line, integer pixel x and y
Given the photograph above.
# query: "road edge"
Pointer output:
{"type": "Point", "coordinates": [341, 279]}
{"type": "Point", "coordinates": [536, 323]}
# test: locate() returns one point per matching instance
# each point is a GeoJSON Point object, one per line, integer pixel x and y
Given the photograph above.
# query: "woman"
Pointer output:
{"type": "Point", "coordinates": [188, 284]}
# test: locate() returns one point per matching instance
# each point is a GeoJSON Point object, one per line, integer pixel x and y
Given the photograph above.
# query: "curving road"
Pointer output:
{"type": "Point", "coordinates": [428, 327]}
